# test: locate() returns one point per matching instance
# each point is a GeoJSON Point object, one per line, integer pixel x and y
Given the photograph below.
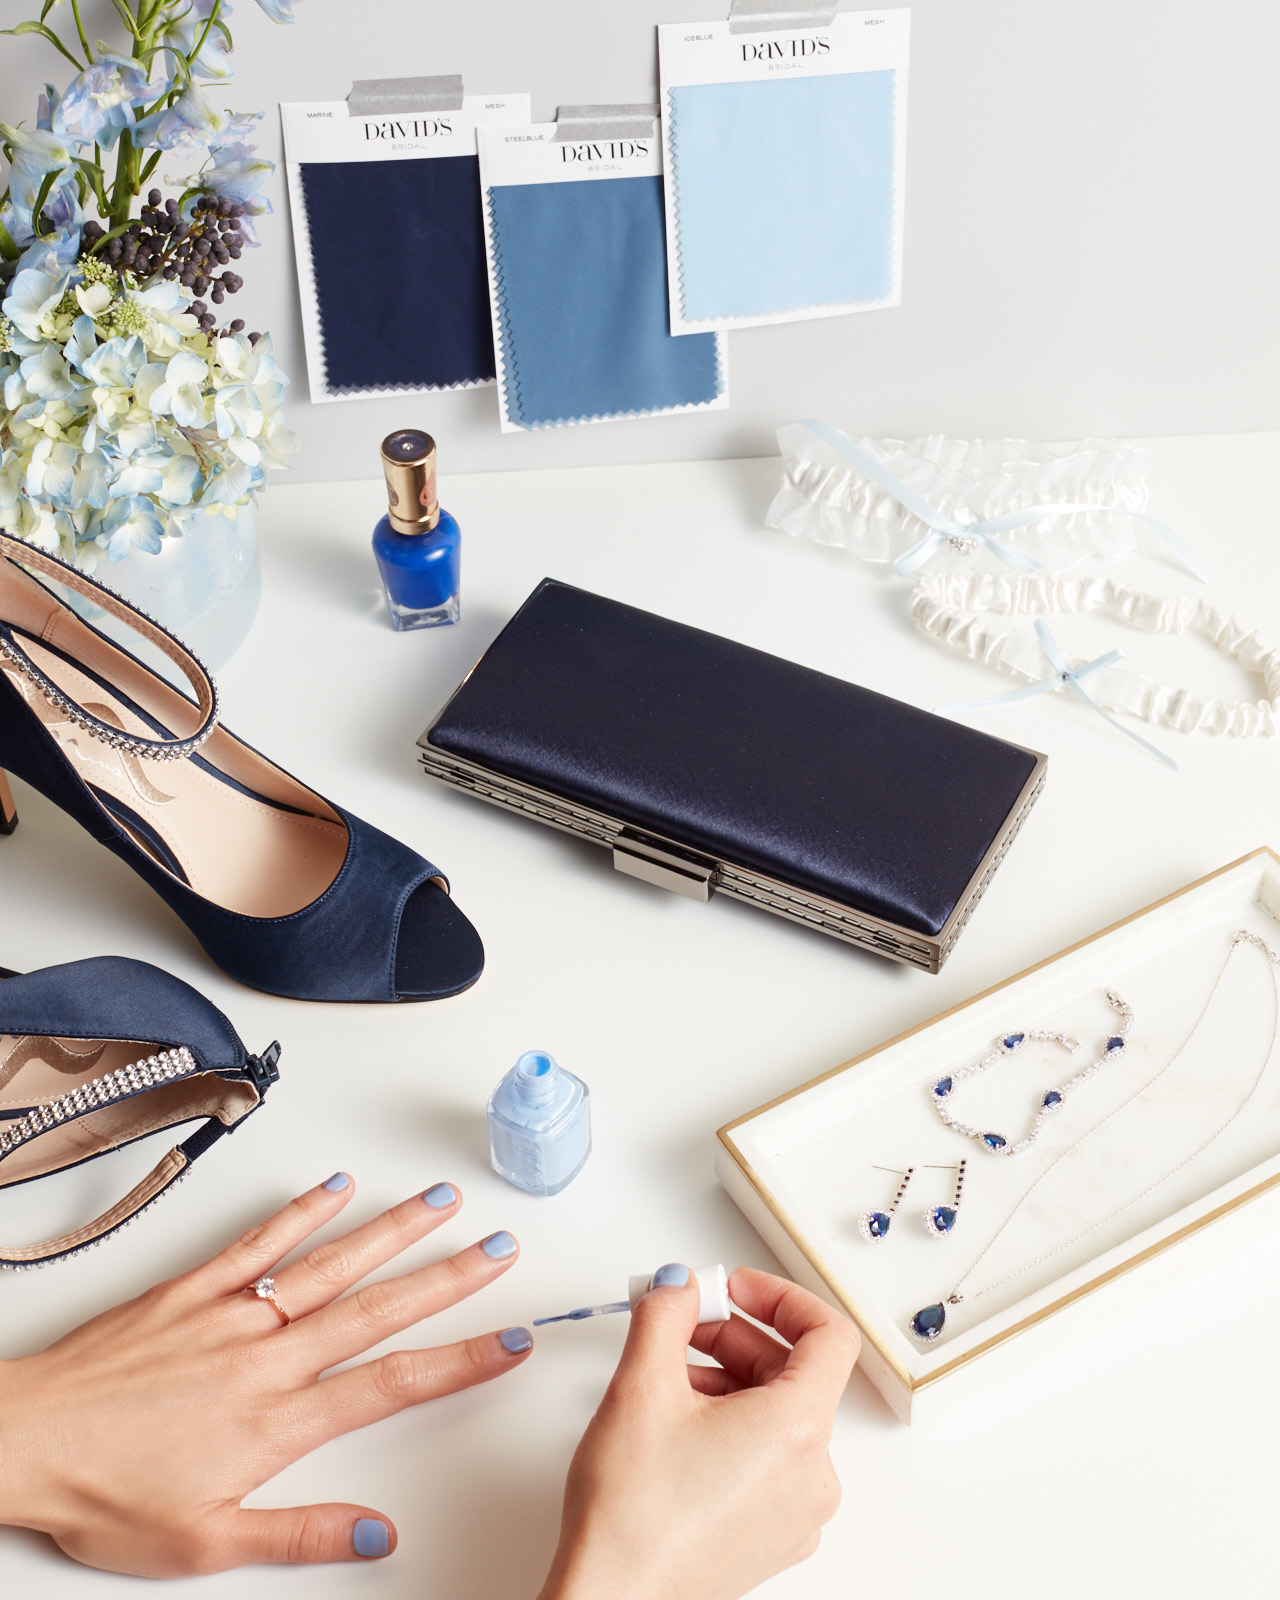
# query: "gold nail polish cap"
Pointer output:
{"type": "Point", "coordinates": [409, 466]}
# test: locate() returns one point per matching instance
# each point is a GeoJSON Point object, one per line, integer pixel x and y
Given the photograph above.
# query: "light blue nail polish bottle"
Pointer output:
{"type": "Point", "coordinates": [539, 1125]}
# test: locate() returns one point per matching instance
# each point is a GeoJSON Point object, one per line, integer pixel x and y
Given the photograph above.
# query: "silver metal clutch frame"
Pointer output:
{"type": "Point", "coordinates": [671, 865]}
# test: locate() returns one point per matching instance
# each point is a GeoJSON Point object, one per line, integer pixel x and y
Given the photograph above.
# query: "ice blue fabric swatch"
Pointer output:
{"type": "Point", "coordinates": [581, 278]}
{"type": "Point", "coordinates": [784, 193]}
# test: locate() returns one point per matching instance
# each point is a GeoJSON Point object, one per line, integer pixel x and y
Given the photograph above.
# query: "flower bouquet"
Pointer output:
{"type": "Point", "coordinates": [131, 410]}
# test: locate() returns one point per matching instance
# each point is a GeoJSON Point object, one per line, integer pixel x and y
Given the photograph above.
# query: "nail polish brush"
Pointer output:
{"type": "Point", "coordinates": [713, 1299]}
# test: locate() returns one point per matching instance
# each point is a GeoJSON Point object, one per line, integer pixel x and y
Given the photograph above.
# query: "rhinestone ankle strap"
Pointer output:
{"type": "Point", "coordinates": [196, 674]}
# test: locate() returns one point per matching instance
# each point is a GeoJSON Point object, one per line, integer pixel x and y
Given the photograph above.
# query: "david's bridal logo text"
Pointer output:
{"type": "Point", "coordinates": [773, 49]}
{"type": "Point", "coordinates": [617, 150]}
{"type": "Point", "coordinates": [418, 128]}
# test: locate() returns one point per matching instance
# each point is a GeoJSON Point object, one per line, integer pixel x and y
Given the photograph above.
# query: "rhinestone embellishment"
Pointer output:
{"type": "Point", "coordinates": [874, 1225]}
{"type": "Point", "coordinates": [115, 738]}
{"type": "Point", "coordinates": [121, 1084]}
{"type": "Point", "coordinates": [928, 1323]}
{"type": "Point", "coordinates": [940, 1091]}
{"type": "Point", "coordinates": [264, 1288]}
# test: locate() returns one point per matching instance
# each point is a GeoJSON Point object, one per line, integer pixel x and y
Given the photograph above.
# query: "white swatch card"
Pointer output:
{"type": "Point", "coordinates": [785, 169]}
{"type": "Point", "coordinates": [389, 242]}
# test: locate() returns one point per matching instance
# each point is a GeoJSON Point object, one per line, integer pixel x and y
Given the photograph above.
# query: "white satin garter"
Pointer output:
{"type": "Point", "coordinates": [909, 502]}
{"type": "Point", "coordinates": [950, 609]}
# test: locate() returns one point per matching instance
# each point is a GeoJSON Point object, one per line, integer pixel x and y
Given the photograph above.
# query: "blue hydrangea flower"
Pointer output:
{"type": "Point", "coordinates": [98, 104]}
{"type": "Point", "coordinates": [116, 364]}
{"type": "Point", "coordinates": [279, 10]}
{"type": "Point", "coordinates": [51, 471]}
{"type": "Point", "coordinates": [128, 524]}
{"type": "Point", "coordinates": [31, 295]}
{"type": "Point", "coordinates": [46, 375]}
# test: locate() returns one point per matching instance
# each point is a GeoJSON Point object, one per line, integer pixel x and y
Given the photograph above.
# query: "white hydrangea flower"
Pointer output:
{"type": "Point", "coordinates": [122, 419]}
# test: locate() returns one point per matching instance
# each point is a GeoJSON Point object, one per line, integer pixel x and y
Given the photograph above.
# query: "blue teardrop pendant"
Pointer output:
{"type": "Point", "coordinates": [928, 1323]}
{"type": "Point", "coordinates": [940, 1220]}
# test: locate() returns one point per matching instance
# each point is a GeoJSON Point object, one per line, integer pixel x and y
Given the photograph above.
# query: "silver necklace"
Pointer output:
{"type": "Point", "coordinates": [1008, 1044]}
{"type": "Point", "coordinates": [929, 1321]}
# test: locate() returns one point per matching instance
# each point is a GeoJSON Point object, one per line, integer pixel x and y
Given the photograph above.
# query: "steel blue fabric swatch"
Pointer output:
{"type": "Point", "coordinates": [401, 282]}
{"type": "Point", "coordinates": [581, 277]}
{"type": "Point", "coordinates": [784, 193]}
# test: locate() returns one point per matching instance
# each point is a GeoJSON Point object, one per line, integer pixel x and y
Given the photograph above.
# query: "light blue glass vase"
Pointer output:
{"type": "Point", "coordinates": [204, 585]}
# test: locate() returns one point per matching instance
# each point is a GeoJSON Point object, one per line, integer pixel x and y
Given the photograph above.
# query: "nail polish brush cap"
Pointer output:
{"type": "Point", "coordinates": [409, 466]}
{"type": "Point", "coordinates": [714, 1304]}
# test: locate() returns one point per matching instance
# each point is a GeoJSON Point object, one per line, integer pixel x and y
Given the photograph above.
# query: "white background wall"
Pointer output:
{"type": "Point", "coordinates": [1093, 219]}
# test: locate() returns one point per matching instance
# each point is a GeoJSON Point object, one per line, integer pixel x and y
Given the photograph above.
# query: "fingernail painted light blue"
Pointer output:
{"type": "Point", "coordinates": [338, 1181]}
{"type": "Point", "coordinates": [672, 1276]}
{"type": "Point", "coordinates": [540, 1120]}
{"type": "Point", "coordinates": [582, 304]}
{"type": "Point", "coordinates": [516, 1340]}
{"type": "Point", "coordinates": [370, 1537]}
{"type": "Point", "coordinates": [784, 193]}
{"type": "Point", "coordinates": [440, 1195]}
{"type": "Point", "coordinates": [499, 1245]}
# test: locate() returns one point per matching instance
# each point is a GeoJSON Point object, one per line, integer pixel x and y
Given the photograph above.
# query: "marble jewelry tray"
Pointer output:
{"type": "Point", "coordinates": [1136, 1174]}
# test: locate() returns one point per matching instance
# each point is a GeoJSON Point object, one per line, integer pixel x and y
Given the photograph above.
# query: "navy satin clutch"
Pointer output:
{"type": "Point", "coordinates": [706, 765]}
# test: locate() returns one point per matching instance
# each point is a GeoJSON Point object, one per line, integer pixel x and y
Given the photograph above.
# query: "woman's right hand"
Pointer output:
{"type": "Point", "coordinates": [704, 1481]}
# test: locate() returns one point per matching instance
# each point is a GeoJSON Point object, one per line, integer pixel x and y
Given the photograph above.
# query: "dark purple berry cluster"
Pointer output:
{"type": "Point", "coordinates": [197, 253]}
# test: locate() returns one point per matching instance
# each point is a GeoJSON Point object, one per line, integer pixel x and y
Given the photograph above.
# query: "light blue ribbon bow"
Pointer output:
{"type": "Point", "coordinates": [943, 529]}
{"type": "Point", "coordinates": [1064, 678]}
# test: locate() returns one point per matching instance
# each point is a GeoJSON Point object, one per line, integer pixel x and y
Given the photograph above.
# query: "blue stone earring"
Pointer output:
{"type": "Point", "coordinates": [940, 1220]}
{"type": "Point", "coordinates": [875, 1224]}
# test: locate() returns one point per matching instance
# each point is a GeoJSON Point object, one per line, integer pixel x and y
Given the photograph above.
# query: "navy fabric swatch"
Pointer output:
{"type": "Point", "coordinates": [581, 275]}
{"type": "Point", "coordinates": [398, 252]}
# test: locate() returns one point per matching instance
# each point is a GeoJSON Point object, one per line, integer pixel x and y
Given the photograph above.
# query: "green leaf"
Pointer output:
{"type": "Point", "coordinates": [96, 179]}
{"type": "Point", "coordinates": [8, 249]}
{"type": "Point", "coordinates": [108, 237]}
{"type": "Point", "coordinates": [126, 16]}
{"type": "Point", "coordinates": [45, 190]}
{"type": "Point", "coordinates": [50, 35]}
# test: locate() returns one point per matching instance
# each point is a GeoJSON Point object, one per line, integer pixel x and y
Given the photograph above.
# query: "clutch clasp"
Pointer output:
{"type": "Point", "coordinates": [639, 857]}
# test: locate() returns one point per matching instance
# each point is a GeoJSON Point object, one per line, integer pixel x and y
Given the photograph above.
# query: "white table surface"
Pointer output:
{"type": "Point", "coordinates": [1141, 1465]}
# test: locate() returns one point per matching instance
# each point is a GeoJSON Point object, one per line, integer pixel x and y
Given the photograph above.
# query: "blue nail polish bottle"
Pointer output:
{"type": "Point", "coordinates": [539, 1125]}
{"type": "Point", "coordinates": [417, 545]}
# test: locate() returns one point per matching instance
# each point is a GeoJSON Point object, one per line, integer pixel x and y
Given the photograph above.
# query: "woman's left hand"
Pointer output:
{"type": "Point", "coordinates": [133, 1440]}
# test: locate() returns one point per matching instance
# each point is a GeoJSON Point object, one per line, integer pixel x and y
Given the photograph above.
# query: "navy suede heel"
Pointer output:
{"type": "Point", "coordinates": [286, 892]}
{"type": "Point", "coordinates": [97, 1054]}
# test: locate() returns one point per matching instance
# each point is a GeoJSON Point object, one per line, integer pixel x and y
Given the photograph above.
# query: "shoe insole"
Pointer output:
{"type": "Point", "coordinates": [232, 847]}
{"type": "Point", "coordinates": [35, 1069]}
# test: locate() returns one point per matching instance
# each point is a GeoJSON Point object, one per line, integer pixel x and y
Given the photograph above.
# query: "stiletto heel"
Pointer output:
{"type": "Point", "coordinates": [286, 891]}
{"type": "Point", "coordinates": [8, 811]}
